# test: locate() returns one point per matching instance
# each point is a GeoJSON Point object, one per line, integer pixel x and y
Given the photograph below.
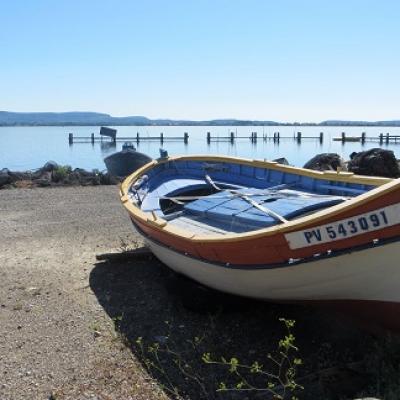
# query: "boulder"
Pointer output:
{"type": "Point", "coordinates": [281, 160]}
{"type": "Point", "coordinates": [82, 172]}
{"type": "Point", "coordinates": [49, 166]}
{"type": "Point", "coordinates": [19, 176]}
{"type": "Point", "coordinates": [5, 177]}
{"type": "Point", "coordinates": [108, 179]}
{"type": "Point", "coordinates": [326, 161]}
{"type": "Point", "coordinates": [374, 162]}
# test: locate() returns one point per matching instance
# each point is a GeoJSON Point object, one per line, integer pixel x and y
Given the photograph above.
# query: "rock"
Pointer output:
{"type": "Point", "coordinates": [108, 179]}
{"type": "Point", "coordinates": [281, 160]}
{"type": "Point", "coordinates": [326, 161]}
{"type": "Point", "coordinates": [82, 172]}
{"type": "Point", "coordinates": [72, 179]}
{"type": "Point", "coordinates": [41, 178]}
{"type": "Point", "coordinates": [96, 334]}
{"type": "Point", "coordinates": [49, 166]}
{"type": "Point", "coordinates": [5, 177]}
{"type": "Point", "coordinates": [19, 176]}
{"type": "Point", "coordinates": [42, 182]}
{"type": "Point", "coordinates": [374, 162]}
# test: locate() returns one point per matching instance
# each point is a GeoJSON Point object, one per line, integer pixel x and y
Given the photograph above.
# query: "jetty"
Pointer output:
{"type": "Point", "coordinates": [108, 135]}
{"type": "Point", "coordinates": [138, 138]}
{"type": "Point", "coordinates": [276, 137]}
{"type": "Point", "coordinates": [381, 139]}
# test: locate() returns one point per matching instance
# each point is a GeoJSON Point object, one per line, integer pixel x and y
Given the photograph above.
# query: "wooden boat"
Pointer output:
{"type": "Point", "coordinates": [124, 162]}
{"type": "Point", "coordinates": [274, 232]}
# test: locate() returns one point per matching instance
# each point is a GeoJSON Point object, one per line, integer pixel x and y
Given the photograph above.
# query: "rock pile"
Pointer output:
{"type": "Point", "coordinates": [52, 174]}
{"type": "Point", "coordinates": [374, 162]}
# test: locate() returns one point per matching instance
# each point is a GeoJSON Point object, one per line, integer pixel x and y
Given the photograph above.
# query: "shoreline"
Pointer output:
{"type": "Point", "coordinates": [373, 162]}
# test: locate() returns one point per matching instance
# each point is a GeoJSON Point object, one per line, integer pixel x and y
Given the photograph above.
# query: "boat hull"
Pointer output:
{"type": "Point", "coordinates": [362, 284]}
{"type": "Point", "coordinates": [125, 162]}
{"type": "Point", "coordinates": [344, 255]}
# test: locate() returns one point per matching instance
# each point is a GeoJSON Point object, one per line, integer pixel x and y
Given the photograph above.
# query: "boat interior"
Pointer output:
{"type": "Point", "coordinates": [217, 198]}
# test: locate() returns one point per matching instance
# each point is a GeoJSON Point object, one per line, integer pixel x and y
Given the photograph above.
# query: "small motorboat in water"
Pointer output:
{"type": "Point", "coordinates": [125, 161]}
{"type": "Point", "coordinates": [274, 232]}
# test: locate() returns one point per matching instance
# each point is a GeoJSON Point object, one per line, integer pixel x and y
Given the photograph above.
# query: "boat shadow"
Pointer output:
{"type": "Point", "coordinates": [169, 323]}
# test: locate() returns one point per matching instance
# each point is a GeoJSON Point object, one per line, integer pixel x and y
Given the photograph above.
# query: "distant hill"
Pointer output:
{"type": "Point", "coordinates": [359, 123]}
{"type": "Point", "coordinates": [97, 119]}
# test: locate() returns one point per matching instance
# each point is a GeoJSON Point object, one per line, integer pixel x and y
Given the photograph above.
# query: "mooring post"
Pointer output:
{"type": "Point", "coordinates": [162, 137]}
{"type": "Point", "coordinates": [381, 138]}
{"type": "Point", "coordinates": [387, 138]}
{"type": "Point", "coordinates": [343, 137]}
{"type": "Point", "coordinates": [70, 138]}
{"type": "Point", "coordinates": [321, 137]}
{"type": "Point", "coordinates": [363, 137]}
{"type": "Point", "coordinates": [232, 137]}
{"type": "Point", "coordinates": [137, 137]}
{"type": "Point", "coordinates": [92, 138]}
{"type": "Point", "coordinates": [185, 138]}
{"type": "Point", "coordinates": [255, 137]}
{"type": "Point", "coordinates": [208, 137]}
{"type": "Point", "coordinates": [298, 137]}
{"type": "Point", "coordinates": [278, 136]}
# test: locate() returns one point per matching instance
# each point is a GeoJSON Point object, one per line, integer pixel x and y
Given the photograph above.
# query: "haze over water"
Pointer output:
{"type": "Point", "coordinates": [23, 148]}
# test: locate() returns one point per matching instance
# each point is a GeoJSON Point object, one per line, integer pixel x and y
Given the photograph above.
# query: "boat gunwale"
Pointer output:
{"type": "Point", "coordinates": [383, 186]}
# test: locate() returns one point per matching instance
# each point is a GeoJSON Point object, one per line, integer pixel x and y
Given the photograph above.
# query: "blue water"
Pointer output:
{"type": "Point", "coordinates": [24, 148]}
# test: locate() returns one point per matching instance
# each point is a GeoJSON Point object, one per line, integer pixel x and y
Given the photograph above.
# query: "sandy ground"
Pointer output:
{"type": "Point", "coordinates": [68, 324]}
{"type": "Point", "coordinates": [55, 337]}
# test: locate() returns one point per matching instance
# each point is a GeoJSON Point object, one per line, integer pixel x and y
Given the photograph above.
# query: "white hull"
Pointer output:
{"type": "Point", "coordinates": [370, 274]}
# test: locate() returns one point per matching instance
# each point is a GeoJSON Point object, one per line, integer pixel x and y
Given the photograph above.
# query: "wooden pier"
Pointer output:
{"type": "Point", "coordinates": [381, 139]}
{"type": "Point", "coordinates": [138, 138]}
{"type": "Point", "coordinates": [232, 137]}
{"type": "Point", "coordinates": [276, 137]}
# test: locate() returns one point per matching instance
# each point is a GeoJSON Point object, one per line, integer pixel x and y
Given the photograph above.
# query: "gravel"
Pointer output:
{"type": "Point", "coordinates": [56, 341]}
{"type": "Point", "coordinates": [69, 324]}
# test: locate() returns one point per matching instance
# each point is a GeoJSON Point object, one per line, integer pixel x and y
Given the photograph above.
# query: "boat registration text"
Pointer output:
{"type": "Point", "coordinates": [345, 228]}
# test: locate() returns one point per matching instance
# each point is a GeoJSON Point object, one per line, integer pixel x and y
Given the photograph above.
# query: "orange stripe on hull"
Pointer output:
{"type": "Point", "coordinates": [273, 249]}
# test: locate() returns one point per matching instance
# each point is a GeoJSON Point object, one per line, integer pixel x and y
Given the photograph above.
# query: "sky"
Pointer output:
{"type": "Point", "coordinates": [287, 60]}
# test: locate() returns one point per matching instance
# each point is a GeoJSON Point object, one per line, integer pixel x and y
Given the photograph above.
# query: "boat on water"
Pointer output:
{"type": "Point", "coordinates": [125, 161]}
{"type": "Point", "coordinates": [275, 232]}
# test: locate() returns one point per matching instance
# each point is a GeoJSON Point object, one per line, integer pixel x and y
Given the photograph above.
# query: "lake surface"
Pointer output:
{"type": "Point", "coordinates": [23, 148]}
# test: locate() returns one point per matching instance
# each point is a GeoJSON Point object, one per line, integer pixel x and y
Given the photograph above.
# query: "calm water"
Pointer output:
{"type": "Point", "coordinates": [24, 148]}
